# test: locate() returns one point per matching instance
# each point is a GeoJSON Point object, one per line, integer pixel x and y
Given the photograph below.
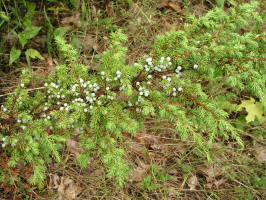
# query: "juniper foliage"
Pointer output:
{"type": "Point", "coordinates": [191, 78]}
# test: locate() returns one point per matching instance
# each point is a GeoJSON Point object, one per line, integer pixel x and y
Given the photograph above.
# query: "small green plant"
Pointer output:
{"type": "Point", "coordinates": [191, 78]}
{"type": "Point", "coordinates": [29, 32]}
{"type": "Point", "coordinates": [155, 178]}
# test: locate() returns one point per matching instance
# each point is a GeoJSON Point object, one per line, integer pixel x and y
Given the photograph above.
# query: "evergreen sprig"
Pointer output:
{"type": "Point", "coordinates": [190, 79]}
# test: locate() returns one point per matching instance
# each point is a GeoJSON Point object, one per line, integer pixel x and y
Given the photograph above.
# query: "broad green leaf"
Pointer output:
{"type": "Point", "coordinates": [254, 109]}
{"type": "Point", "coordinates": [31, 31]}
{"type": "Point", "coordinates": [22, 39]}
{"type": "Point", "coordinates": [60, 31]}
{"type": "Point", "coordinates": [32, 53]}
{"type": "Point", "coordinates": [27, 20]}
{"type": "Point", "coordinates": [30, 13]}
{"type": "Point", "coordinates": [14, 55]}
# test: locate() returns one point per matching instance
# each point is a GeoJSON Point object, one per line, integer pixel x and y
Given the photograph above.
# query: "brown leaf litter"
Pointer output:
{"type": "Point", "coordinates": [170, 5]}
{"type": "Point", "coordinates": [212, 172]}
{"type": "Point", "coordinates": [74, 147]}
{"type": "Point", "coordinates": [72, 21]}
{"type": "Point", "coordinates": [192, 182]}
{"type": "Point", "coordinates": [139, 173]}
{"type": "Point", "coordinates": [260, 154]}
{"type": "Point", "coordinates": [68, 189]}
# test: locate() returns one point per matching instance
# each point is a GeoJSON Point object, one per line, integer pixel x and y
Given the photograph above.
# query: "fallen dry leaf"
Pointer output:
{"type": "Point", "coordinates": [138, 174]}
{"type": "Point", "coordinates": [160, 148]}
{"type": "Point", "coordinates": [175, 6]}
{"type": "Point", "coordinates": [211, 172]}
{"type": "Point", "coordinates": [51, 64]}
{"type": "Point", "coordinates": [219, 182]}
{"type": "Point", "coordinates": [97, 173]}
{"type": "Point", "coordinates": [55, 181]}
{"type": "Point", "coordinates": [192, 182]}
{"type": "Point", "coordinates": [49, 61]}
{"type": "Point", "coordinates": [89, 43]}
{"type": "Point", "coordinates": [261, 154]}
{"type": "Point", "coordinates": [137, 148]}
{"type": "Point", "coordinates": [72, 20]}
{"type": "Point", "coordinates": [170, 5]}
{"type": "Point", "coordinates": [67, 189]}
{"type": "Point", "coordinates": [163, 4]}
{"type": "Point", "coordinates": [147, 139]}
{"type": "Point", "coordinates": [172, 171]}
{"type": "Point", "coordinates": [73, 147]}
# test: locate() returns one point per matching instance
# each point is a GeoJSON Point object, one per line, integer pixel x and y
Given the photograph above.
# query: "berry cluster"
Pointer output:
{"type": "Point", "coordinates": [108, 78]}
{"type": "Point", "coordinates": [3, 108]}
{"type": "Point", "coordinates": [163, 65]}
{"type": "Point", "coordinates": [178, 71]}
{"type": "Point", "coordinates": [84, 95]}
{"type": "Point", "coordinates": [4, 142]}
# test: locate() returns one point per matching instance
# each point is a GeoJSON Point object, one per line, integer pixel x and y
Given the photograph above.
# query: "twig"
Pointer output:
{"type": "Point", "coordinates": [241, 68]}
{"type": "Point", "coordinates": [222, 27]}
{"type": "Point", "coordinates": [198, 103]}
{"type": "Point", "coordinates": [29, 90]}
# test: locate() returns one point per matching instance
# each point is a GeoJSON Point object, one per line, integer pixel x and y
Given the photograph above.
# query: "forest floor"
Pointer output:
{"type": "Point", "coordinates": [165, 167]}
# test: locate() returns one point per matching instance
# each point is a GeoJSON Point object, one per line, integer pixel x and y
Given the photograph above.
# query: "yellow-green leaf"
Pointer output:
{"type": "Point", "coordinates": [14, 55]}
{"type": "Point", "coordinates": [254, 109]}
{"type": "Point", "coordinates": [32, 53]}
